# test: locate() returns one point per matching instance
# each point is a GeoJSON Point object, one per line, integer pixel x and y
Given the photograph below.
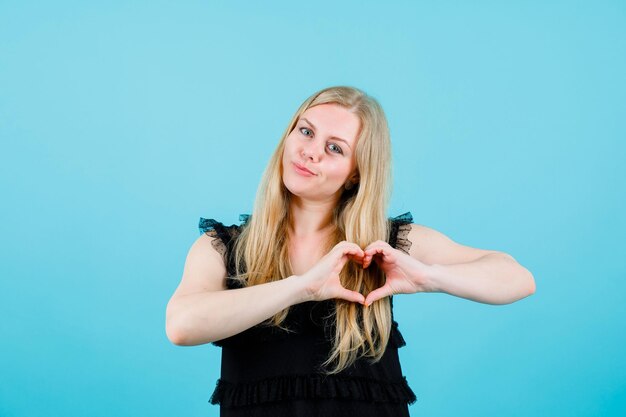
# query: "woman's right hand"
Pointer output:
{"type": "Point", "coordinates": [322, 279]}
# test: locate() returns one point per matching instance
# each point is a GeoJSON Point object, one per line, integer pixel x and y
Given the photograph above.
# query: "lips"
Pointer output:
{"type": "Point", "coordinates": [303, 169]}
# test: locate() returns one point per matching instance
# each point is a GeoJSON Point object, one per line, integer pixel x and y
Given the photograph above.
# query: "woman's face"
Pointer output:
{"type": "Point", "coordinates": [323, 142]}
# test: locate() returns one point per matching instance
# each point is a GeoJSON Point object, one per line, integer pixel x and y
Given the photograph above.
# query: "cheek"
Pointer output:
{"type": "Point", "coordinates": [338, 171]}
{"type": "Point", "coordinates": [289, 147]}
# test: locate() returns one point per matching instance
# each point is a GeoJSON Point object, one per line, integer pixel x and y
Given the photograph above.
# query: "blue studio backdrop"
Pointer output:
{"type": "Point", "coordinates": [123, 123]}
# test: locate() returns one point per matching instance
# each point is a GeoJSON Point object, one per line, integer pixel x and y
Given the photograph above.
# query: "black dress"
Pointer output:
{"type": "Point", "coordinates": [267, 371]}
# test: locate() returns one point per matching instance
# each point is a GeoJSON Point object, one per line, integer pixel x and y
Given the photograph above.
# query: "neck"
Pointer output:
{"type": "Point", "coordinates": [309, 218]}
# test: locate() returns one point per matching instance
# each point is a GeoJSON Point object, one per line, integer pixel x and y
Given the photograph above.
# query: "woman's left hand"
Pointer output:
{"type": "Point", "coordinates": [405, 275]}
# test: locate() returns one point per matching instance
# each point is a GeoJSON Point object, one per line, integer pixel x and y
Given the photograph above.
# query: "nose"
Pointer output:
{"type": "Point", "coordinates": [312, 151]}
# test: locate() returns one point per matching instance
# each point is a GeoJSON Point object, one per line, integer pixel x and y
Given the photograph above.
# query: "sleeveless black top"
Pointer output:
{"type": "Point", "coordinates": [267, 371]}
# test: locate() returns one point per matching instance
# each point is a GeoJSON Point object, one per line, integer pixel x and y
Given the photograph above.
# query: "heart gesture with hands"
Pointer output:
{"type": "Point", "coordinates": [404, 274]}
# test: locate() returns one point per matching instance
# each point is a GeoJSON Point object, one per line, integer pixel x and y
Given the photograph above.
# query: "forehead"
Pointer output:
{"type": "Point", "coordinates": [333, 120]}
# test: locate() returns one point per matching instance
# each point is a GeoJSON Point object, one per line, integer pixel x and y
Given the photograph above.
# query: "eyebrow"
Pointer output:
{"type": "Point", "coordinates": [332, 137]}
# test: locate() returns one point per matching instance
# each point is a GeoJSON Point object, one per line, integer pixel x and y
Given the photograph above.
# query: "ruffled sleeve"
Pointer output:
{"type": "Point", "coordinates": [225, 237]}
{"type": "Point", "coordinates": [399, 229]}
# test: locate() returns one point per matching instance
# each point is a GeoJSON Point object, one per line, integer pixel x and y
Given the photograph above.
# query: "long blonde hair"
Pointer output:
{"type": "Point", "coordinates": [360, 216]}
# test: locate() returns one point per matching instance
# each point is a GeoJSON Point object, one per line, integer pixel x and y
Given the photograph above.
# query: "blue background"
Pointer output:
{"type": "Point", "coordinates": [122, 123]}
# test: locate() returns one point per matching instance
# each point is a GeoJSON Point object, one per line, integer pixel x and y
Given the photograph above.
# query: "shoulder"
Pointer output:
{"type": "Point", "coordinates": [434, 247]}
{"type": "Point", "coordinates": [399, 228]}
{"type": "Point", "coordinates": [221, 232]}
{"type": "Point", "coordinates": [223, 239]}
{"type": "Point", "coordinates": [216, 228]}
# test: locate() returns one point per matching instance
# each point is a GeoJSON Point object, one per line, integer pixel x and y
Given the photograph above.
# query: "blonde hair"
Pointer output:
{"type": "Point", "coordinates": [360, 216]}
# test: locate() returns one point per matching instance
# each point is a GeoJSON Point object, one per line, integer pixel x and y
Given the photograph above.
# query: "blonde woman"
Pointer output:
{"type": "Point", "coordinates": [299, 295]}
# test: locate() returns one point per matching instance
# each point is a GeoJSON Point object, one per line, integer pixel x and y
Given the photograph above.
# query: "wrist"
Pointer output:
{"type": "Point", "coordinates": [434, 278]}
{"type": "Point", "coordinates": [303, 291]}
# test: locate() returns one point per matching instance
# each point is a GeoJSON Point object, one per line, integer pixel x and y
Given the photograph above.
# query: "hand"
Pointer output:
{"type": "Point", "coordinates": [323, 278]}
{"type": "Point", "coordinates": [404, 274]}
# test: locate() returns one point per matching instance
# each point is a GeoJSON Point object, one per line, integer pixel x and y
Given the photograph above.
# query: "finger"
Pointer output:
{"type": "Point", "coordinates": [383, 254]}
{"type": "Point", "coordinates": [353, 296]}
{"type": "Point", "coordinates": [357, 259]}
{"type": "Point", "coordinates": [374, 247]}
{"type": "Point", "coordinates": [371, 254]}
{"type": "Point", "coordinates": [381, 250]}
{"type": "Point", "coordinates": [371, 250]}
{"type": "Point", "coordinates": [340, 263]}
{"type": "Point", "coordinates": [376, 259]}
{"type": "Point", "coordinates": [343, 246]}
{"type": "Point", "coordinates": [356, 255]}
{"type": "Point", "coordinates": [354, 250]}
{"type": "Point", "coordinates": [376, 244]}
{"type": "Point", "coordinates": [368, 255]}
{"type": "Point", "coordinates": [377, 294]}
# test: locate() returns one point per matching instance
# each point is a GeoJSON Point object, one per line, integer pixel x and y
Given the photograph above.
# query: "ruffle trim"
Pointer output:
{"type": "Point", "coordinates": [224, 236]}
{"type": "Point", "coordinates": [305, 387]}
{"type": "Point", "coordinates": [399, 230]}
{"type": "Point", "coordinates": [217, 230]}
{"type": "Point", "coordinates": [395, 338]}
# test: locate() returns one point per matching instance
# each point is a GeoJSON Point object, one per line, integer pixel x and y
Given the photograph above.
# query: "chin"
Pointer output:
{"type": "Point", "coordinates": [297, 190]}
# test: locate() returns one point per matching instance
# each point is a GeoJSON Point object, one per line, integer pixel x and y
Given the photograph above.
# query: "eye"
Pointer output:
{"type": "Point", "coordinates": [303, 129]}
{"type": "Point", "coordinates": [337, 148]}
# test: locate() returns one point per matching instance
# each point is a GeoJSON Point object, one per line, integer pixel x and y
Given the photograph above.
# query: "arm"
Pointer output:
{"type": "Point", "coordinates": [492, 279]}
{"type": "Point", "coordinates": [485, 276]}
{"type": "Point", "coordinates": [435, 263]}
{"type": "Point", "coordinates": [202, 310]}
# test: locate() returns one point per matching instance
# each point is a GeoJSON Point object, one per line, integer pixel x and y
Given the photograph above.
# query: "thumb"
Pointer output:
{"type": "Point", "coordinates": [353, 296]}
{"type": "Point", "coordinates": [377, 294]}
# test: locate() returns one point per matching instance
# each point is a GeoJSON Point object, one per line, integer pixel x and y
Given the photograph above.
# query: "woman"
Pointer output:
{"type": "Point", "coordinates": [299, 295]}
